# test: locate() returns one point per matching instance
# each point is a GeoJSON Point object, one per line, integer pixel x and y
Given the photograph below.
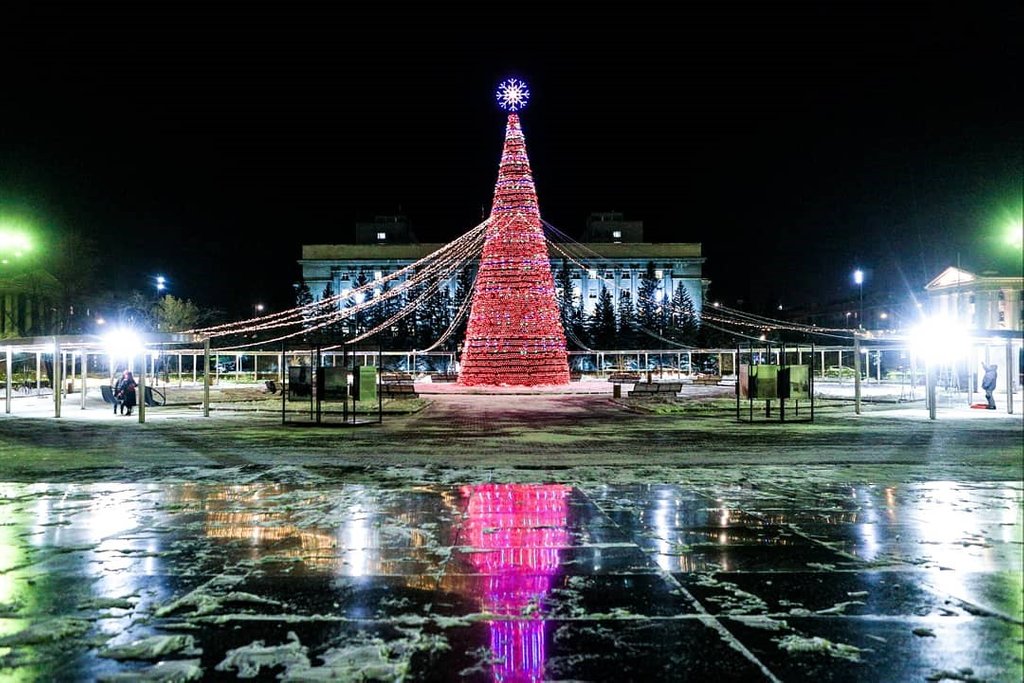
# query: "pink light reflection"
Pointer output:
{"type": "Point", "coordinates": [520, 528]}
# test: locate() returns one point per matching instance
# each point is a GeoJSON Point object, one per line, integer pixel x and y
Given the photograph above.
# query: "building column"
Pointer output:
{"type": "Point", "coordinates": [85, 374]}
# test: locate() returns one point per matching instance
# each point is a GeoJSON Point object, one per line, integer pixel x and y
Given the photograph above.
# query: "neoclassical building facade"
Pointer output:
{"type": "Point", "coordinates": [979, 302]}
{"type": "Point", "coordinates": [611, 256]}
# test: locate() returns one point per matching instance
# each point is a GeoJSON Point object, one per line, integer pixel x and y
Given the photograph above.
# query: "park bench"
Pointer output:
{"type": "Point", "coordinates": [155, 397]}
{"type": "Point", "coordinates": [396, 378]}
{"type": "Point", "coordinates": [398, 390]}
{"type": "Point", "coordinates": [646, 389]}
{"type": "Point", "coordinates": [707, 380]}
{"type": "Point", "coordinates": [626, 377]}
{"type": "Point", "coordinates": [444, 377]}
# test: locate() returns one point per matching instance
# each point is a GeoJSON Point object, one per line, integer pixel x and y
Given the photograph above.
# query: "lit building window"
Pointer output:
{"type": "Point", "coordinates": [377, 275]}
{"type": "Point", "coordinates": [381, 236]}
{"type": "Point", "coordinates": [617, 234]}
{"type": "Point", "coordinates": [659, 274]}
{"type": "Point", "coordinates": [592, 272]}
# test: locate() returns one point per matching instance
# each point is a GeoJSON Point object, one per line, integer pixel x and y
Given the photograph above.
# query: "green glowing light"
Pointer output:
{"type": "Point", "coordinates": [14, 239]}
{"type": "Point", "coordinates": [1015, 235]}
{"type": "Point", "coordinates": [1007, 226]}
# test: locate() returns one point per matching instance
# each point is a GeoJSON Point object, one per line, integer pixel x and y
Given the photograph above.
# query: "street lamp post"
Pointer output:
{"type": "Point", "coordinates": [858, 278]}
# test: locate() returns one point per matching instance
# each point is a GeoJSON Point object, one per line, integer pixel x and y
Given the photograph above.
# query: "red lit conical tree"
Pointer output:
{"type": "Point", "coordinates": [515, 333]}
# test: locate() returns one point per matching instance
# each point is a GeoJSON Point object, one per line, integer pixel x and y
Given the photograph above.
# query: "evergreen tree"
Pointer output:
{"type": "Point", "coordinates": [304, 297]}
{"type": "Point", "coordinates": [356, 321]}
{"type": "Point", "coordinates": [436, 317]}
{"type": "Point", "coordinates": [684, 323]}
{"type": "Point", "coordinates": [175, 315]}
{"type": "Point", "coordinates": [563, 290]}
{"type": "Point", "coordinates": [405, 328]}
{"type": "Point", "coordinates": [373, 315]}
{"type": "Point", "coordinates": [463, 286]}
{"type": "Point", "coordinates": [578, 325]}
{"type": "Point", "coordinates": [603, 330]}
{"type": "Point", "coordinates": [646, 303]}
{"type": "Point", "coordinates": [629, 337]}
{"type": "Point", "coordinates": [385, 309]}
{"type": "Point", "coordinates": [334, 329]}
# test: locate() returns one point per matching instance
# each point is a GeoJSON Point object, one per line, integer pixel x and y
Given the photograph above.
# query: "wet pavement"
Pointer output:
{"type": "Point", "coordinates": [512, 582]}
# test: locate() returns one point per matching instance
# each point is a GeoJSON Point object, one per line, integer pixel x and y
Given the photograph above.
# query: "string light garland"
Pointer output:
{"type": "Point", "coordinates": [437, 270]}
{"type": "Point", "coordinates": [515, 335]}
{"type": "Point", "coordinates": [601, 260]}
{"type": "Point", "coordinates": [738, 319]}
{"type": "Point", "coordinates": [320, 314]}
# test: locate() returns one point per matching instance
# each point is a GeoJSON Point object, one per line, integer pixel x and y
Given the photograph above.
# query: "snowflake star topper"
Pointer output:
{"type": "Point", "coordinates": [512, 94]}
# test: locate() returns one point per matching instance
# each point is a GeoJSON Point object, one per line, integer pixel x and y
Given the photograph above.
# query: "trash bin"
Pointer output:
{"type": "Point", "coordinates": [616, 390]}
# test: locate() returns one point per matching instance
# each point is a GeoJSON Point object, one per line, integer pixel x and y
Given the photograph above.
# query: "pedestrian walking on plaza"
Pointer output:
{"type": "Point", "coordinates": [127, 385]}
{"type": "Point", "coordinates": [988, 383]}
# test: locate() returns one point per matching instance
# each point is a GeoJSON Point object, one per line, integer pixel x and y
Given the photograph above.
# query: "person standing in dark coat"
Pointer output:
{"type": "Point", "coordinates": [115, 389]}
{"type": "Point", "coordinates": [127, 385]}
{"type": "Point", "coordinates": [988, 383]}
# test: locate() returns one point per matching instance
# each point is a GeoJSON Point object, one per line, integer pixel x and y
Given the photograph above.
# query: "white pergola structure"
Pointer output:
{"type": "Point", "coordinates": [75, 349]}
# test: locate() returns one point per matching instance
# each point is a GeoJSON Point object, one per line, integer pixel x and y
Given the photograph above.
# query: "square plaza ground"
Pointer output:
{"type": "Point", "coordinates": [512, 537]}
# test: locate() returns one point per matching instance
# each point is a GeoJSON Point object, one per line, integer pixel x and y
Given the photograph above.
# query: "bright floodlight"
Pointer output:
{"type": "Point", "coordinates": [160, 282]}
{"type": "Point", "coordinates": [858, 276]}
{"type": "Point", "coordinates": [939, 340]}
{"type": "Point", "coordinates": [122, 343]}
{"type": "Point", "coordinates": [14, 242]}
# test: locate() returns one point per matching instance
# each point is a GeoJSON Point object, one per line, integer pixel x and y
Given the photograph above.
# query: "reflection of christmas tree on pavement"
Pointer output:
{"type": "Point", "coordinates": [515, 333]}
{"type": "Point", "coordinates": [516, 531]}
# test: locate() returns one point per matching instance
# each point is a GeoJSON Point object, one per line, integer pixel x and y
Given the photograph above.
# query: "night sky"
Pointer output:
{"type": "Point", "coordinates": [208, 142]}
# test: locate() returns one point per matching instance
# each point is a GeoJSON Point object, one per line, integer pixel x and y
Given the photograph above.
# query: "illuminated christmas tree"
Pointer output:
{"type": "Point", "coordinates": [515, 333]}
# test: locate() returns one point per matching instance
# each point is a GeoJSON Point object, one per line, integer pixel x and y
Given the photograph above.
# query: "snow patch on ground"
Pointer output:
{"type": "Point", "coordinates": [153, 647]}
{"type": "Point", "coordinates": [249, 659]}
{"type": "Point", "coordinates": [795, 644]}
{"type": "Point", "coordinates": [49, 631]}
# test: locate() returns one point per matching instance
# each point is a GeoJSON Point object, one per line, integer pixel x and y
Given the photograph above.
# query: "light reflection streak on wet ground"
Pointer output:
{"type": "Point", "coordinates": [518, 581]}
